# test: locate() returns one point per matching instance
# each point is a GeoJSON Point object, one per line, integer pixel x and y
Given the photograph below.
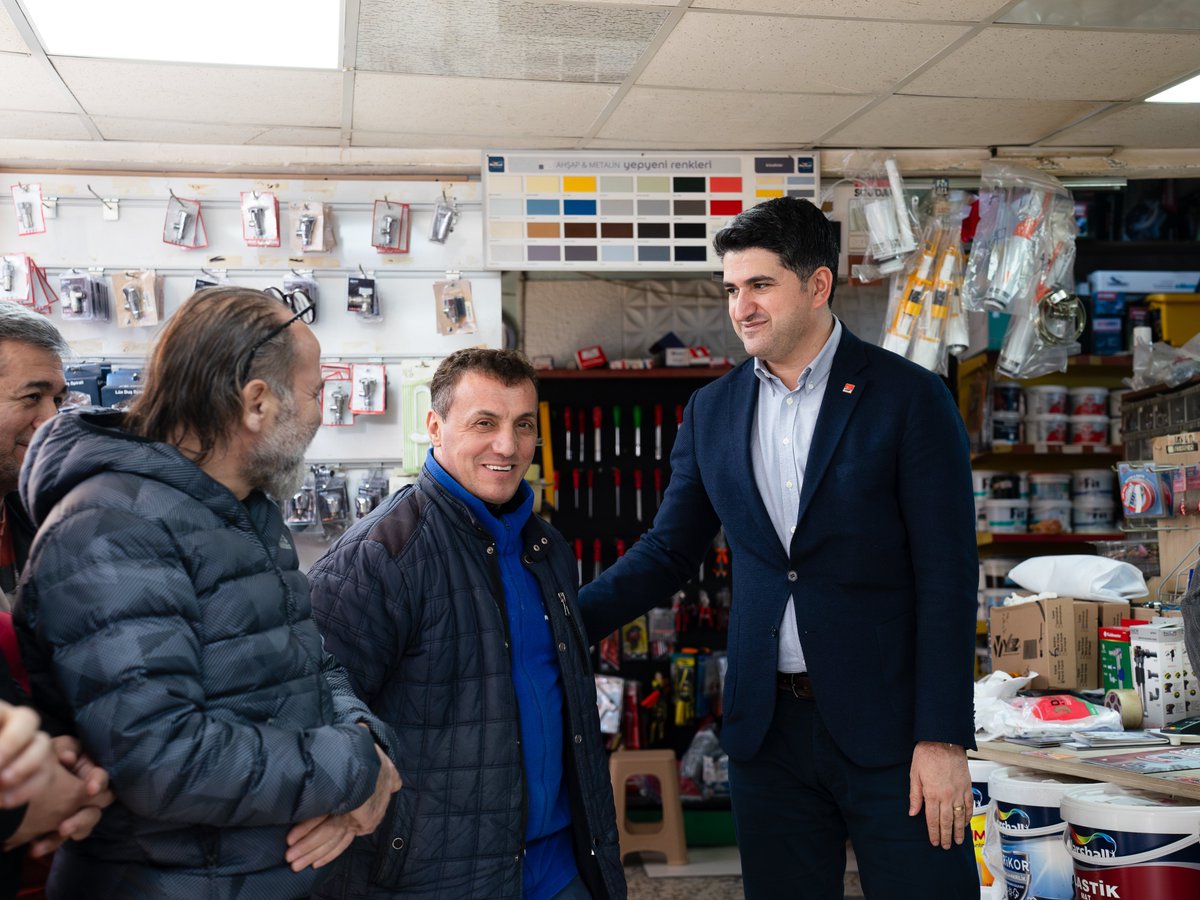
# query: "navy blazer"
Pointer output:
{"type": "Point", "coordinates": [883, 563]}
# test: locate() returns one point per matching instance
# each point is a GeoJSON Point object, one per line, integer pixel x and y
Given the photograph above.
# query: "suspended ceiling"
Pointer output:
{"type": "Point", "coordinates": [427, 84]}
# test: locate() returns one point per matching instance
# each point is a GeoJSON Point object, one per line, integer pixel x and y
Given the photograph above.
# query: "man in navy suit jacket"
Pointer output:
{"type": "Point", "coordinates": [841, 474]}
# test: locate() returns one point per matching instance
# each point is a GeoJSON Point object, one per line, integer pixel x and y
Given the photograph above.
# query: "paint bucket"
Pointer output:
{"type": "Point", "coordinates": [1116, 433]}
{"type": "Point", "coordinates": [1087, 401]}
{"type": "Point", "coordinates": [1093, 514]}
{"type": "Point", "coordinates": [1006, 428]}
{"type": "Point", "coordinates": [1006, 397]}
{"type": "Point", "coordinates": [1092, 483]}
{"type": "Point", "coordinates": [1007, 516]}
{"type": "Point", "coordinates": [1050, 516]}
{"type": "Point", "coordinates": [1131, 843]}
{"type": "Point", "coordinates": [1089, 429]}
{"type": "Point", "coordinates": [1050, 428]}
{"type": "Point", "coordinates": [1026, 818]}
{"type": "Point", "coordinates": [981, 480]}
{"type": "Point", "coordinates": [1008, 486]}
{"type": "Point", "coordinates": [1046, 399]}
{"type": "Point", "coordinates": [981, 770]}
{"type": "Point", "coordinates": [995, 571]}
{"type": "Point", "coordinates": [1114, 403]}
{"type": "Point", "coordinates": [1049, 486]}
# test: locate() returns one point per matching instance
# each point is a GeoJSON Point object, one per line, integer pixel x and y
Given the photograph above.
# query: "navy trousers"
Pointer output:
{"type": "Point", "coordinates": [799, 798]}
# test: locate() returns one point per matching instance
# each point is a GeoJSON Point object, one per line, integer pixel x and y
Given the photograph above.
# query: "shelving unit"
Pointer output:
{"type": "Point", "coordinates": [708, 373]}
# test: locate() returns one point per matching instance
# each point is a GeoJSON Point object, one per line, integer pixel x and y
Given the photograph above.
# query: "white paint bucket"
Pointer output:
{"type": "Point", "coordinates": [1050, 428]}
{"type": "Point", "coordinates": [1049, 486]}
{"type": "Point", "coordinates": [981, 480]}
{"type": "Point", "coordinates": [1114, 402]}
{"type": "Point", "coordinates": [1093, 483]}
{"type": "Point", "coordinates": [1087, 401]}
{"type": "Point", "coordinates": [981, 770]}
{"type": "Point", "coordinates": [1093, 514]}
{"type": "Point", "coordinates": [1046, 399]}
{"type": "Point", "coordinates": [1026, 817]}
{"type": "Point", "coordinates": [1089, 429]}
{"type": "Point", "coordinates": [1130, 843]}
{"type": "Point", "coordinates": [1050, 516]}
{"type": "Point", "coordinates": [1007, 516]}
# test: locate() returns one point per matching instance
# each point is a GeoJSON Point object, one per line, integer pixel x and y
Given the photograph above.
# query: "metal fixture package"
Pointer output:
{"type": "Point", "coordinates": [183, 225]}
{"type": "Point", "coordinates": [260, 219]}
{"type": "Point", "coordinates": [391, 227]}
{"type": "Point", "coordinates": [27, 200]}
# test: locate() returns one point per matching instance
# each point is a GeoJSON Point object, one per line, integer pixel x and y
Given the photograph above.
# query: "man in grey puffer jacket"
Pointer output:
{"type": "Point", "coordinates": [163, 614]}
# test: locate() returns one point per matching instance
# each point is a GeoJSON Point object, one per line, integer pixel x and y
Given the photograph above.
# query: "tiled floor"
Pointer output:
{"type": "Point", "coordinates": [642, 887]}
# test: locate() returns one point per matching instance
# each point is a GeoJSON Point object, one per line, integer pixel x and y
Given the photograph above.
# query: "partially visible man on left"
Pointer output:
{"type": "Point", "coordinates": [163, 612]}
{"type": "Point", "coordinates": [64, 791]}
{"type": "Point", "coordinates": [32, 389]}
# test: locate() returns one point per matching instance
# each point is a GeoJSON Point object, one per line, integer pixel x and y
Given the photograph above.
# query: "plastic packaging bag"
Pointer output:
{"type": "Point", "coordinates": [880, 209]}
{"type": "Point", "coordinates": [1082, 577]}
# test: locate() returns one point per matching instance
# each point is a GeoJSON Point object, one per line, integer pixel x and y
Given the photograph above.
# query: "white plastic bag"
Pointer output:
{"type": "Point", "coordinates": [1082, 577]}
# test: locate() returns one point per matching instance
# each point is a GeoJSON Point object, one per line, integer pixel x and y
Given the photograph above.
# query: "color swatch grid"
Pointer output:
{"type": "Point", "coordinates": [627, 211]}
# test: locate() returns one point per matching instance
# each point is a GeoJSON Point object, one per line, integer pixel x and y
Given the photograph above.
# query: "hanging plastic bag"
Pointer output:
{"type": "Point", "coordinates": [879, 208]}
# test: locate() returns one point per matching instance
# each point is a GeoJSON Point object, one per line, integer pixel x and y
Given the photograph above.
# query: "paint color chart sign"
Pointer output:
{"type": "Point", "coordinates": [627, 211]}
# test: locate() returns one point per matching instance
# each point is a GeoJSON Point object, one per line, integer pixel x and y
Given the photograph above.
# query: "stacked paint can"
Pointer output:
{"type": "Point", "coordinates": [1082, 501]}
{"type": "Point", "coordinates": [1046, 417]}
{"type": "Point", "coordinates": [981, 770]}
{"type": "Point", "coordinates": [1007, 406]}
{"type": "Point", "coordinates": [1026, 817]}
{"type": "Point", "coordinates": [1131, 843]}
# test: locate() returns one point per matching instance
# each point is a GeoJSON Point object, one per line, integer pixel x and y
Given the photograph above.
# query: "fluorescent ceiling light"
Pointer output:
{"type": "Point", "coordinates": [294, 33]}
{"type": "Point", "coordinates": [1184, 92]}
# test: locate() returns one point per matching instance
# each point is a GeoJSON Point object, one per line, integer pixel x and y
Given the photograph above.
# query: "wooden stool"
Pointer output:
{"type": "Point", "coordinates": [665, 837]}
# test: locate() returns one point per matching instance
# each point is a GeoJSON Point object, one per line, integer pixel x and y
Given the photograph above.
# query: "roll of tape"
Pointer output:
{"type": "Point", "coordinates": [1128, 704]}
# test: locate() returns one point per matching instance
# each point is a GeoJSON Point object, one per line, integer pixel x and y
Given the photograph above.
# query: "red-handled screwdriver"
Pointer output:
{"type": "Point", "coordinates": [575, 482]}
{"type": "Point", "coordinates": [620, 548]}
{"type": "Point", "coordinates": [591, 486]}
{"type": "Point", "coordinates": [617, 490]}
{"type": "Point", "coordinates": [637, 492]}
{"type": "Point", "coordinates": [597, 568]}
{"type": "Point", "coordinates": [580, 430]}
{"type": "Point", "coordinates": [567, 416]}
{"type": "Point", "coordinates": [579, 558]}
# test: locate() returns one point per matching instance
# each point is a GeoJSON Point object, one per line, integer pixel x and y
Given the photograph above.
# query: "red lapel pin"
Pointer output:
{"type": "Point", "coordinates": [847, 388]}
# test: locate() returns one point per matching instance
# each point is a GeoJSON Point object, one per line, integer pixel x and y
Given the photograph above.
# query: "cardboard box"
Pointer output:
{"type": "Point", "coordinates": [1143, 282]}
{"type": "Point", "coordinates": [1056, 637]}
{"type": "Point", "coordinates": [1162, 675]}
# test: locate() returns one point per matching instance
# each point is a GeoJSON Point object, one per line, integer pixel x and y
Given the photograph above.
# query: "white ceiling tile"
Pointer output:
{"type": "Point", "coordinates": [1057, 64]}
{"type": "Point", "coordinates": [218, 94]}
{"type": "Point", "coordinates": [504, 39]}
{"type": "Point", "coordinates": [31, 85]}
{"type": "Point", "coordinates": [43, 126]}
{"type": "Point", "coordinates": [952, 122]}
{"type": "Point", "coordinates": [1173, 15]}
{"type": "Point", "coordinates": [404, 103]}
{"type": "Point", "coordinates": [772, 53]}
{"type": "Point", "coordinates": [1158, 125]}
{"type": "Point", "coordinates": [115, 128]}
{"type": "Point", "coordinates": [708, 118]}
{"type": "Point", "coordinates": [947, 10]}
{"type": "Point", "coordinates": [10, 38]}
{"type": "Point", "coordinates": [299, 137]}
{"type": "Point", "coordinates": [459, 141]}
{"type": "Point", "coordinates": [621, 2]}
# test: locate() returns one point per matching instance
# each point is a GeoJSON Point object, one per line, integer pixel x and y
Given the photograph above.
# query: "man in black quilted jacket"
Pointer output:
{"type": "Point", "coordinates": [162, 613]}
{"type": "Point", "coordinates": [453, 608]}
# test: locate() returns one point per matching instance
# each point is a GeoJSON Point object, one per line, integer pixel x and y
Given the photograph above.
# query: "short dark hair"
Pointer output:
{"type": "Point", "coordinates": [192, 381]}
{"type": "Point", "coordinates": [506, 366]}
{"type": "Point", "coordinates": [794, 230]}
{"type": "Point", "coordinates": [22, 325]}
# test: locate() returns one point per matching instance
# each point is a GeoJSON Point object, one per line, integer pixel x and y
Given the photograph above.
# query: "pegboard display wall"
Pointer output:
{"type": "Point", "coordinates": [116, 224]}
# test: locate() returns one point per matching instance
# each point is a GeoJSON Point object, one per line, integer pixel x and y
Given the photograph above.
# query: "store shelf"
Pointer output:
{"type": "Point", "coordinates": [985, 538]}
{"type": "Point", "coordinates": [707, 372]}
{"type": "Point", "coordinates": [1010, 450]}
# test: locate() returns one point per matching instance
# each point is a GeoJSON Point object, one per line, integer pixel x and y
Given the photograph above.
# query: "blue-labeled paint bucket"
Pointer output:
{"type": "Point", "coordinates": [1128, 843]}
{"type": "Point", "coordinates": [1036, 865]}
{"type": "Point", "coordinates": [981, 770]}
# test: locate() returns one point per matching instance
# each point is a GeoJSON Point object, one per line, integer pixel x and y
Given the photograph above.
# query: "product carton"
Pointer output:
{"type": "Point", "coordinates": [1055, 637]}
{"type": "Point", "coordinates": [1162, 675]}
{"type": "Point", "coordinates": [1116, 663]}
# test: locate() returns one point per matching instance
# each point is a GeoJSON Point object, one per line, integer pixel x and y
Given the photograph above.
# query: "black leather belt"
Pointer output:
{"type": "Point", "coordinates": [796, 684]}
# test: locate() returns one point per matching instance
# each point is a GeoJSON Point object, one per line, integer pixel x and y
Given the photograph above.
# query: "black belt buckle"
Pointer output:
{"type": "Point", "coordinates": [797, 684]}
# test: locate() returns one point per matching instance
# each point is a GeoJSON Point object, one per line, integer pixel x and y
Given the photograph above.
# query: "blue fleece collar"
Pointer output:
{"type": "Point", "coordinates": [505, 528]}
